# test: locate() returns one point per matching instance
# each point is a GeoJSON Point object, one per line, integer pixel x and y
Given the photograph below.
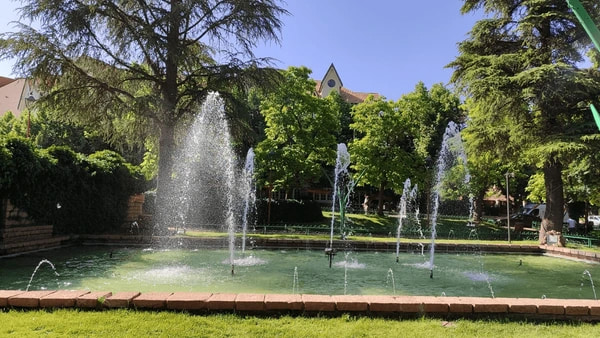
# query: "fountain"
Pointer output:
{"type": "Point", "coordinates": [295, 284]}
{"type": "Point", "coordinates": [390, 277]}
{"type": "Point", "coordinates": [203, 193]}
{"type": "Point", "coordinates": [444, 162]}
{"type": "Point", "coordinates": [249, 193]}
{"type": "Point", "coordinates": [181, 270]}
{"type": "Point", "coordinates": [36, 269]}
{"type": "Point", "coordinates": [406, 202]}
{"type": "Point", "coordinates": [589, 275]}
{"type": "Point", "coordinates": [343, 186]}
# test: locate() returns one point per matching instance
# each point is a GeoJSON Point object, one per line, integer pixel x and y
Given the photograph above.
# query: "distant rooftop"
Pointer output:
{"type": "Point", "coordinates": [332, 82]}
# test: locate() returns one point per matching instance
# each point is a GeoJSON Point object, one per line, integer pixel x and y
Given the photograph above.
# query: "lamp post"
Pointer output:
{"type": "Point", "coordinates": [28, 101]}
{"type": "Point", "coordinates": [508, 205]}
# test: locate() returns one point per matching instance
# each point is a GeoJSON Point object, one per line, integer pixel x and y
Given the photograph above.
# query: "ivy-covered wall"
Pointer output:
{"type": "Point", "coordinates": [74, 192]}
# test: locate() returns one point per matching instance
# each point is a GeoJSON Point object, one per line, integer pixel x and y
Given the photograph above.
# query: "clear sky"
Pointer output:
{"type": "Point", "coordinates": [383, 46]}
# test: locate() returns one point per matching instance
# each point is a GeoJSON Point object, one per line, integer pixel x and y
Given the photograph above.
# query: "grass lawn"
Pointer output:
{"type": "Point", "coordinates": [376, 228]}
{"type": "Point", "coordinates": [130, 323]}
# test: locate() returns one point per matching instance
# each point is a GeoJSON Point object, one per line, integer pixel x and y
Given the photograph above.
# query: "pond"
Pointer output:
{"type": "Point", "coordinates": [300, 271]}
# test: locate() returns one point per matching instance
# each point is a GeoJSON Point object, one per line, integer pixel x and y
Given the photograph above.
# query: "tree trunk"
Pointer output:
{"type": "Point", "coordinates": [553, 217]}
{"type": "Point", "coordinates": [478, 206]}
{"type": "Point", "coordinates": [380, 202]}
{"type": "Point", "coordinates": [167, 121]}
{"type": "Point", "coordinates": [165, 169]}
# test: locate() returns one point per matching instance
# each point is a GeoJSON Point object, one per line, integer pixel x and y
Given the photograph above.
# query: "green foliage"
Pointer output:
{"type": "Point", "coordinates": [300, 134]}
{"type": "Point", "coordinates": [74, 192]}
{"type": "Point", "coordinates": [429, 112]}
{"type": "Point", "coordinates": [137, 69]}
{"type": "Point", "coordinates": [344, 110]}
{"type": "Point", "coordinates": [8, 123]}
{"type": "Point", "coordinates": [396, 140]}
{"type": "Point", "coordinates": [384, 150]}
{"type": "Point", "coordinates": [520, 68]}
{"type": "Point", "coordinates": [535, 188]}
{"type": "Point", "coordinates": [149, 165]}
{"type": "Point", "coordinates": [22, 169]}
{"type": "Point", "coordinates": [48, 128]}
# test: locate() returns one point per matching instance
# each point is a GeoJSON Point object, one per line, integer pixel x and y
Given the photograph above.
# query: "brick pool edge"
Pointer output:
{"type": "Point", "coordinates": [307, 304]}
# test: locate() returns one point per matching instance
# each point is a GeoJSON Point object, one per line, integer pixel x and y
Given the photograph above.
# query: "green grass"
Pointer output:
{"type": "Point", "coordinates": [192, 233]}
{"type": "Point", "coordinates": [130, 323]}
{"type": "Point", "coordinates": [374, 228]}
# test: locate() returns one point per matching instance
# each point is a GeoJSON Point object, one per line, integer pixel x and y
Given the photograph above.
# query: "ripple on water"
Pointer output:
{"type": "Point", "coordinates": [247, 261]}
{"type": "Point", "coordinates": [352, 264]}
{"type": "Point", "coordinates": [168, 273]}
{"type": "Point", "coordinates": [477, 276]}
{"type": "Point", "coordinates": [424, 265]}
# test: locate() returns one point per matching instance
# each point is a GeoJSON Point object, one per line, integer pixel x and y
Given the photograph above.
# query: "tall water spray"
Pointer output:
{"type": "Point", "coordinates": [340, 195]}
{"type": "Point", "coordinates": [249, 193]}
{"type": "Point", "coordinates": [449, 150]}
{"type": "Point", "coordinates": [406, 205]}
{"type": "Point", "coordinates": [203, 190]}
{"type": "Point", "coordinates": [341, 176]}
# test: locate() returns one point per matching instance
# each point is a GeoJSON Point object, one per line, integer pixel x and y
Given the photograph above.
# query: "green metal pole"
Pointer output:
{"type": "Point", "coordinates": [596, 115]}
{"type": "Point", "coordinates": [586, 21]}
{"type": "Point", "coordinates": [594, 34]}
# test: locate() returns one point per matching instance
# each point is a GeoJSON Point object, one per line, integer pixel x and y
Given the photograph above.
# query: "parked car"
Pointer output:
{"type": "Point", "coordinates": [521, 220]}
{"type": "Point", "coordinates": [595, 220]}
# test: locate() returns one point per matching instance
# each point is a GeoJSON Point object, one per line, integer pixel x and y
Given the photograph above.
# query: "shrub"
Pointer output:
{"type": "Point", "coordinates": [74, 192]}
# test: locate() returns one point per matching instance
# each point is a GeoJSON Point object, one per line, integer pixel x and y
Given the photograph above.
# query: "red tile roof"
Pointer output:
{"type": "Point", "coordinates": [5, 80]}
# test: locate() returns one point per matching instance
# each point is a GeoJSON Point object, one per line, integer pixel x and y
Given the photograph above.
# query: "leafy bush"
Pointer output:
{"type": "Point", "coordinates": [74, 192]}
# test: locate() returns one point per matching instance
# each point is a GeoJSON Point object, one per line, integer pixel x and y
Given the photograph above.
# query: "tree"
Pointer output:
{"type": "Point", "coordinates": [522, 64]}
{"type": "Point", "coordinates": [482, 137]}
{"type": "Point", "coordinates": [430, 111]}
{"type": "Point", "coordinates": [383, 150]}
{"type": "Point", "coordinates": [145, 62]}
{"type": "Point", "coordinates": [300, 132]}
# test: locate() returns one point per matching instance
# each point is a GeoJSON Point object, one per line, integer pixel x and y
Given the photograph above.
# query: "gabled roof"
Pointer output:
{"type": "Point", "coordinates": [335, 73]}
{"type": "Point", "coordinates": [5, 80]}
{"type": "Point", "coordinates": [347, 94]}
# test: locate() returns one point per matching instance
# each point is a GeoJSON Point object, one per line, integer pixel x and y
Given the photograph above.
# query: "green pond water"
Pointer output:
{"type": "Point", "coordinates": [300, 271]}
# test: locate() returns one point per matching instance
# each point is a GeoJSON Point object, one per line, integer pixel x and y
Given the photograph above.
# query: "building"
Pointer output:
{"type": "Point", "coordinates": [15, 95]}
{"type": "Point", "coordinates": [332, 81]}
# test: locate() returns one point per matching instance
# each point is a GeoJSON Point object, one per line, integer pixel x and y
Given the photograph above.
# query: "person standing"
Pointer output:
{"type": "Point", "coordinates": [572, 225]}
{"type": "Point", "coordinates": [365, 204]}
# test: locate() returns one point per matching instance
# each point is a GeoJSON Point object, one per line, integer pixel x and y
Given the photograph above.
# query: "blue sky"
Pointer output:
{"type": "Point", "coordinates": [383, 46]}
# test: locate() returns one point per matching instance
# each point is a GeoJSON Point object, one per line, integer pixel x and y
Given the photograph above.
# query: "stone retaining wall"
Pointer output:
{"type": "Point", "coordinates": [306, 304]}
{"type": "Point", "coordinates": [24, 239]}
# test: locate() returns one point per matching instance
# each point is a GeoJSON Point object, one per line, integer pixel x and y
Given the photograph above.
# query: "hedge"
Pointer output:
{"type": "Point", "coordinates": [74, 192]}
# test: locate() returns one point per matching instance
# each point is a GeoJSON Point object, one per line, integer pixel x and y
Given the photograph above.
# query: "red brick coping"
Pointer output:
{"type": "Point", "coordinates": [525, 308]}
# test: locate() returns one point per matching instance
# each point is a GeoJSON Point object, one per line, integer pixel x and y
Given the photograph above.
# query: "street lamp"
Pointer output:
{"type": "Point", "coordinates": [28, 101]}
{"type": "Point", "coordinates": [508, 204]}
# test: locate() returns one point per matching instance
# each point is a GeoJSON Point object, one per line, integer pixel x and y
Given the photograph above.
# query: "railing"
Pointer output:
{"type": "Point", "coordinates": [585, 240]}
